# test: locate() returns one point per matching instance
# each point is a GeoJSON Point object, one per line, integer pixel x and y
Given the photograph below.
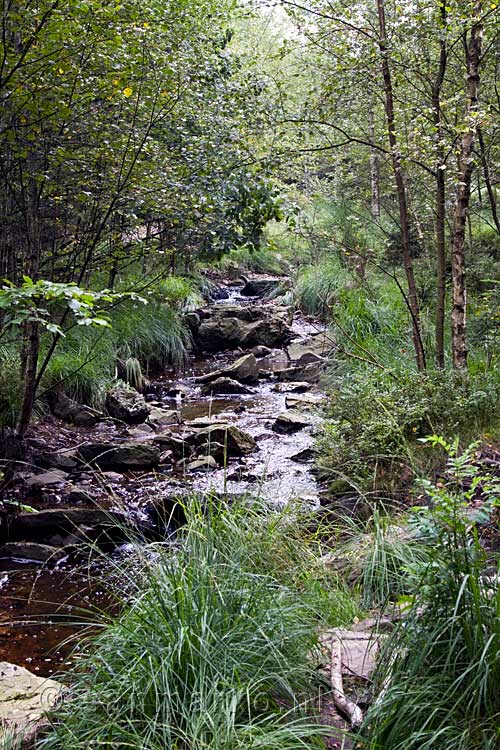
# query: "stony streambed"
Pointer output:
{"type": "Point", "coordinates": [39, 598]}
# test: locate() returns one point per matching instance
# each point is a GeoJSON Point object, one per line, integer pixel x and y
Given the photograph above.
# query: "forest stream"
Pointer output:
{"type": "Point", "coordinates": [43, 602]}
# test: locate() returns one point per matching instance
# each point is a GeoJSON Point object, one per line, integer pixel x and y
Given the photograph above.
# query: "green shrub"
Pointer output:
{"type": "Point", "coordinates": [208, 654]}
{"type": "Point", "coordinates": [369, 441]}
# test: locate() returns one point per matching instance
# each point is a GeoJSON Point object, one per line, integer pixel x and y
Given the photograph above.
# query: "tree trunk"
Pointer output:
{"type": "Point", "coordinates": [29, 380]}
{"type": "Point", "coordinates": [374, 172]}
{"type": "Point", "coordinates": [400, 189]}
{"type": "Point", "coordinates": [462, 200]}
{"type": "Point", "coordinates": [440, 194]}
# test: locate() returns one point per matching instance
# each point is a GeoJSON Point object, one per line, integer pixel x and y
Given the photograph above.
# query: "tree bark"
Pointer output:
{"type": "Point", "coordinates": [440, 194]}
{"type": "Point", "coordinates": [29, 380]}
{"type": "Point", "coordinates": [462, 199]}
{"type": "Point", "coordinates": [487, 180]}
{"type": "Point", "coordinates": [400, 188]}
{"type": "Point", "coordinates": [374, 172]}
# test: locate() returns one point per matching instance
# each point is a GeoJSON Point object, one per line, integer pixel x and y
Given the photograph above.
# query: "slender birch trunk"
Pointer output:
{"type": "Point", "coordinates": [462, 199]}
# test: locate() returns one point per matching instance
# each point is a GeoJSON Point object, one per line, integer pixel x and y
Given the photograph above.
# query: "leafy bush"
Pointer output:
{"type": "Point", "coordinates": [369, 440]}
{"type": "Point", "coordinates": [208, 654]}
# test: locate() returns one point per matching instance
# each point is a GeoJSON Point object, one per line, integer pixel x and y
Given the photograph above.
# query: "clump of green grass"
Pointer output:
{"type": "Point", "coordinates": [318, 287]}
{"type": "Point", "coordinates": [209, 652]}
{"type": "Point", "coordinates": [441, 670]}
{"type": "Point", "coordinates": [379, 557]}
{"type": "Point", "coordinates": [263, 260]}
{"type": "Point", "coordinates": [438, 678]}
{"type": "Point", "coordinates": [292, 546]}
{"type": "Point", "coordinates": [9, 385]}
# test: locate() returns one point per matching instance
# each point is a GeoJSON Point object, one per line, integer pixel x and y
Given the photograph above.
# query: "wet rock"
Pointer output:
{"type": "Point", "coordinates": [159, 418]}
{"type": "Point", "coordinates": [218, 293]}
{"type": "Point", "coordinates": [177, 391]}
{"type": "Point", "coordinates": [262, 286]}
{"type": "Point", "coordinates": [112, 477]}
{"type": "Point", "coordinates": [24, 701]}
{"type": "Point", "coordinates": [42, 553]}
{"type": "Point", "coordinates": [120, 456]}
{"type": "Point", "coordinates": [179, 446]}
{"type": "Point", "coordinates": [302, 401]}
{"type": "Point", "coordinates": [261, 351]}
{"type": "Point", "coordinates": [299, 387]}
{"type": "Point", "coordinates": [304, 456]}
{"type": "Point", "coordinates": [53, 526]}
{"type": "Point", "coordinates": [310, 373]}
{"type": "Point", "coordinates": [68, 410]}
{"type": "Point", "coordinates": [292, 421]}
{"type": "Point", "coordinates": [192, 320]}
{"type": "Point", "coordinates": [206, 463]}
{"type": "Point", "coordinates": [66, 460]}
{"type": "Point", "coordinates": [309, 358]}
{"type": "Point", "coordinates": [225, 327]}
{"type": "Point", "coordinates": [236, 441]}
{"type": "Point", "coordinates": [317, 345]}
{"type": "Point", "coordinates": [215, 450]}
{"type": "Point", "coordinates": [245, 369]}
{"type": "Point", "coordinates": [140, 431]}
{"type": "Point", "coordinates": [127, 405]}
{"type": "Point", "coordinates": [79, 495]}
{"type": "Point", "coordinates": [224, 385]}
{"type": "Point", "coordinates": [46, 479]}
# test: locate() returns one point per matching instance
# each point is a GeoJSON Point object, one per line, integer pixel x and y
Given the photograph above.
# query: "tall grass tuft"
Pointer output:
{"type": "Point", "coordinates": [207, 654]}
{"type": "Point", "coordinates": [441, 670]}
{"type": "Point", "coordinates": [318, 287]}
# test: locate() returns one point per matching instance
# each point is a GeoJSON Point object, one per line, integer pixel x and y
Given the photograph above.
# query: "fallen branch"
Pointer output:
{"type": "Point", "coordinates": [346, 706]}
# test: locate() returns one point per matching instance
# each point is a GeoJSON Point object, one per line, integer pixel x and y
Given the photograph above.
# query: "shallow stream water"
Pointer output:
{"type": "Point", "coordinates": [37, 603]}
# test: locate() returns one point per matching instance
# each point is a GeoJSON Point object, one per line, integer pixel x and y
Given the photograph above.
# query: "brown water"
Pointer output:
{"type": "Point", "coordinates": [41, 608]}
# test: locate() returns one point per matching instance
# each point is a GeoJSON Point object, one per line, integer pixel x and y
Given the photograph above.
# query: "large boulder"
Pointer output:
{"type": "Point", "coordinates": [261, 286]}
{"type": "Point", "coordinates": [69, 411]}
{"type": "Point", "coordinates": [43, 526]}
{"type": "Point", "coordinates": [120, 456]}
{"type": "Point", "coordinates": [235, 441]}
{"type": "Point", "coordinates": [228, 327]}
{"type": "Point", "coordinates": [224, 386]}
{"type": "Point", "coordinates": [245, 369]}
{"type": "Point", "coordinates": [25, 699]}
{"type": "Point", "coordinates": [127, 405]}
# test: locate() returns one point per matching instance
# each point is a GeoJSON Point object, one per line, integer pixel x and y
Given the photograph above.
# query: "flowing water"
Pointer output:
{"type": "Point", "coordinates": [40, 607]}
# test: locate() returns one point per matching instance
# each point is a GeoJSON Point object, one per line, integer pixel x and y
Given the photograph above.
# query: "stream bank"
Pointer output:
{"type": "Point", "coordinates": [196, 437]}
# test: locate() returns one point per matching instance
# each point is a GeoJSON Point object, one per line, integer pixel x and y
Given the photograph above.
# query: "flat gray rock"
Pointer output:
{"type": "Point", "coordinates": [360, 650]}
{"type": "Point", "coordinates": [24, 702]}
{"type": "Point", "coordinates": [292, 421]}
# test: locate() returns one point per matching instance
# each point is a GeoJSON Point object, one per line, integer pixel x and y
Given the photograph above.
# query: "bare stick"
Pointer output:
{"type": "Point", "coordinates": [346, 706]}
